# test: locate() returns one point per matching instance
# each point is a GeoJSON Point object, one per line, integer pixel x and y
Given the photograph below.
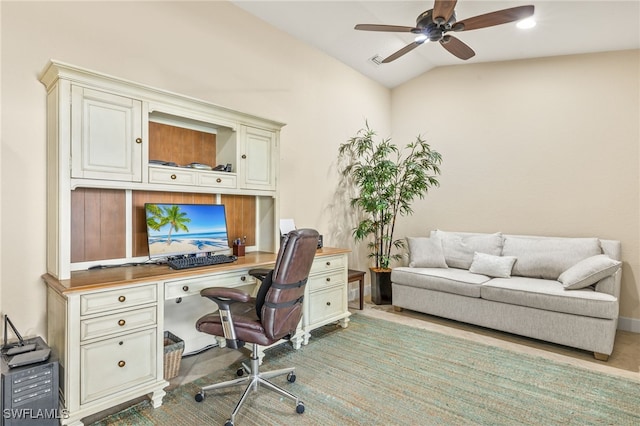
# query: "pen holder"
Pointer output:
{"type": "Point", "coordinates": [238, 249]}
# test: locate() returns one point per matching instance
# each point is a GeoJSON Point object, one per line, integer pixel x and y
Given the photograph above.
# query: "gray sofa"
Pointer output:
{"type": "Point", "coordinates": [561, 290]}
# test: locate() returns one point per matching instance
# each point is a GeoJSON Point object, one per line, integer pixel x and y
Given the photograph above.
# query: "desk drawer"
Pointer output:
{"type": "Point", "coordinates": [191, 287]}
{"type": "Point", "coordinates": [109, 300]}
{"type": "Point", "coordinates": [217, 180]}
{"type": "Point", "coordinates": [328, 263]}
{"type": "Point", "coordinates": [173, 176]}
{"type": "Point", "coordinates": [113, 365]}
{"type": "Point", "coordinates": [324, 305]}
{"type": "Point", "coordinates": [328, 279]}
{"type": "Point", "coordinates": [117, 323]}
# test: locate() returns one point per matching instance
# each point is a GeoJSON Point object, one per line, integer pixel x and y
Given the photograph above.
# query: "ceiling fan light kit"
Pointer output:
{"type": "Point", "coordinates": [434, 24]}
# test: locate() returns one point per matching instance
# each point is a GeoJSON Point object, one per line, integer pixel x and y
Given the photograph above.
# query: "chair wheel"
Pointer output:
{"type": "Point", "coordinates": [300, 407]}
{"type": "Point", "coordinates": [240, 372]}
{"type": "Point", "coordinates": [199, 397]}
{"type": "Point", "coordinates": [291, 377]}
{"type": "Point", "coordinates": [228, 423]}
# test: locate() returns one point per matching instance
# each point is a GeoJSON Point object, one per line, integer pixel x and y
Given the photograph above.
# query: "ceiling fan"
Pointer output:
{"type": "Point", "coordinates": [434, 24]}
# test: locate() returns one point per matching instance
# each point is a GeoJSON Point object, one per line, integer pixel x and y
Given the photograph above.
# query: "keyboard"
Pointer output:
{"type": "Point", "coordinates": [194, 262]}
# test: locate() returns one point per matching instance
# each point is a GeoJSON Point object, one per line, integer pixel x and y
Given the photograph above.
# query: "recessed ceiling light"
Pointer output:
{"type": "Point", "coordinates": [526, 23]}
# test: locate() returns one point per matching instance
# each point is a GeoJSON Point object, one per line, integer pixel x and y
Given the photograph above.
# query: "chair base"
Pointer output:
{"type": "Point", "coordinates": [253, 381]}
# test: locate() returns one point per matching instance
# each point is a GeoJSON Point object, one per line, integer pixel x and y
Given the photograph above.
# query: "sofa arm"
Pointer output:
{"type": "Point", "coordinates": [610, 285]}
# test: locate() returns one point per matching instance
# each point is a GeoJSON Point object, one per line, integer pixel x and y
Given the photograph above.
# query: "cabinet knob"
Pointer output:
{"type": "Point", "coordinates": [121, 364]}
{"type": "Point", "coordinates": [244, 156]}
{"type": "Point", "coordinates": [121, 322]}
{"type": "Point", "coordinates": [174, 177]}
{"type": "Point", "coordinates": [328, 303]}
{"type": "Point", "coordinates": [218, 180]}
{"type": "Point", "coordinates": [328, 263]}
{"type": "Point", "coordinates": [328, 279]}
{"type": "Point", "coordinates": [138, 140]}
{"type": "Point", "coordinates": [185, 288]}
{"type": "Point", "coordinates": [243, 278]}
{"type": "Point", "coordinates": [121, 299]}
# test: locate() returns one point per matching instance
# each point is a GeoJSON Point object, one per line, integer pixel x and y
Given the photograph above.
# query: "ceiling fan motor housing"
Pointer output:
{"type": "Point", "coordinates": [432, 30]}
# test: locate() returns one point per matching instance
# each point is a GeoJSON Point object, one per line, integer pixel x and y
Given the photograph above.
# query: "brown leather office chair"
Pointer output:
{"type": "Point", "coordinates": [274, 314]}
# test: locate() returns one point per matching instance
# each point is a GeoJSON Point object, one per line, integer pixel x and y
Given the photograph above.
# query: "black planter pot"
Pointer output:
{"type": "Point", "coordinates": [380, 287]}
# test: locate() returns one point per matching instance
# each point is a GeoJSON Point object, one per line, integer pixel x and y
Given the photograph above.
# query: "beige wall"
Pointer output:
{"type": "Point", "coordinates": [209, 50]}
{"type": "Point", "coordinates": [542, 147]}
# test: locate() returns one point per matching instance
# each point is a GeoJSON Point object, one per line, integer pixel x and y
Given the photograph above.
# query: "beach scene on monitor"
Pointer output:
{"type": "Point", "coordinates": [181, 229]}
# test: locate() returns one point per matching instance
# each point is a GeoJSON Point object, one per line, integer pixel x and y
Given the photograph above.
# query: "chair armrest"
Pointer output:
{"type": "Point", "coordinates": [233, 294]}
{"type": "Point", "coordinates": [259, 273]}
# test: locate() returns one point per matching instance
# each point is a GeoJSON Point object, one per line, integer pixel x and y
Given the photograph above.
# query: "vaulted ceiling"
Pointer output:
{"type": "Point", "coordinates": [563, 28]}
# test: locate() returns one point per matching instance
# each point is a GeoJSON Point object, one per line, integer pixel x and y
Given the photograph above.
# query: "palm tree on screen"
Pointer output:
{"type": "Point", "coordinates": [172, 216]}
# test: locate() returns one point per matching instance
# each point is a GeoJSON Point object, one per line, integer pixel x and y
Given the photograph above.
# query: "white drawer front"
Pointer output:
{"type": "Point", "coordinates": [218, 180]}
{"type": "Point", "coordinates": [328, 263]}
{"type": "Point", "coordinates": [177, 176]}
{"type": "Point", "coordinates": [190, 287]}
{"type": "Point", "coordinates": [324, 305]}
{"type": "Point", "coordinates": [111, 365]}
{"type": "Point", "coordinates": [117, 299]}
{"type": "Point", "coordinates": [328, 279]}
{"type": "Point", "coordinates": [117, 323]}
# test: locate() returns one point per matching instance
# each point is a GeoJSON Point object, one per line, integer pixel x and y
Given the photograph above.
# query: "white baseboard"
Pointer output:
{"type": "Point", "coordinates": [629, 324]}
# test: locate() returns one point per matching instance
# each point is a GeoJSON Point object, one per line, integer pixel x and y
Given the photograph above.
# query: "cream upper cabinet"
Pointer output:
{"type": "Point", "coordinates": [106, 136]}
{"type": "Point", "coordinates": [256, 164]}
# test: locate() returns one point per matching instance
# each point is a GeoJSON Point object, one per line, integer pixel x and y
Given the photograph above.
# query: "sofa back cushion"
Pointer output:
{"type": "Point", "coordinates": [459, 247]}
{"type": "Point", "coordinates": [547, 257]}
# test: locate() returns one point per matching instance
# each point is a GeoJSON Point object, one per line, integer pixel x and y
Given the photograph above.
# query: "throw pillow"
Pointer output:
{"type": "Point", "coordinates": [426, 253]}
{"type": "Point", "coordinates": [588, 272]}
{"type": "Point", "coordinates": [492, 266]}
{"type": "Point", "coordinates": [459, 246]}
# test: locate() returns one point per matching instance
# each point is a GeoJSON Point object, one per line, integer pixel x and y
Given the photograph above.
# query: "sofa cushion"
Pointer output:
{"type": "Point", "coordinates": [550, 295]}
{"type": "Point", "coordinates": [456, 281]}
{"type": "Point", "coordinates": [588, 272]}
{"type": "Point", "coordinates": [492, 266]}
{"type": "Point", "coordinates": [459, 247]}
{"type": "Point", "coordinates": [547, 257]}
{"type": "Point", "coordinates": [426, 253]}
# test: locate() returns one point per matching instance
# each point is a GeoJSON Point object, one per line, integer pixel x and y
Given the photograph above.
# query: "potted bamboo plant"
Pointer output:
{"type": "Point", "coordinates": [385, 180]}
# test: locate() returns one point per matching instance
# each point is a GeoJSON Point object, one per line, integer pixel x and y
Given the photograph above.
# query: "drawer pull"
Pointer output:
{"type": "Point", "coordinates": [185, 288]}
{"type": "Point", "coordinates": [328, 303]}
{"type": "Point", "coordinates": [121, 299]}
{"type": "Point", "coordinates": [174, 177]}
{"type": "Point", "coordinates": [138, 140]}
{"type": "Point", "coordinates": [120, 343]}
{"type": "Point", "coordinates": [218, 180]}
{"type": "Point", "coordinates": [328, 263]}
{"type": "Point", "coordinates": [121, 322]}
{"type": "Point", "coordinates": [121, 364]}
{"type": "Point", "coordinates": [243, 278]}
{"type": "Point", "coordinates": [328, 279]}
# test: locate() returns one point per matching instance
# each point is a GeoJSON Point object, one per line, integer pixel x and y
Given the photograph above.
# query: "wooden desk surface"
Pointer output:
{"type": "Point", "coordinates": [114, 277]}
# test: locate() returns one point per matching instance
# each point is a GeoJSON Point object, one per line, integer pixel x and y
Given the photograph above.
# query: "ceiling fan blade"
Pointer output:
{"type": "Point", "coordinates": [408, 48]}
{"type": "Point", "coordinates": [494, 18]}
{"type": "Point", "coordinates": [387, 28]}
{"type": "Point", "coordinates": [456, 47]}
{"type": "Point", "coordinates": [443, 9]}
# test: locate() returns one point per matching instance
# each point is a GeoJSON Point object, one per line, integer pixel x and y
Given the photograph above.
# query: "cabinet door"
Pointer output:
{"type": "Point", "coordinates": [257, 168]}
{"type": "Point", "coordinates": [106, 136]}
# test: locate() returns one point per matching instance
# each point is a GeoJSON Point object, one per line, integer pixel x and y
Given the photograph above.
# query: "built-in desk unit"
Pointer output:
{"type": "Point", "coordinates": [112, 146]}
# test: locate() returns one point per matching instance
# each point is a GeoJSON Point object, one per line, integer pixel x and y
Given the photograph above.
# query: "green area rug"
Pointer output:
{"type": "Point", "coordinates": [377, 372]}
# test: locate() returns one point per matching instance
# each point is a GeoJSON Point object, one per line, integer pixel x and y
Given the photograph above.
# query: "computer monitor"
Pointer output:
{"type": "Point", "coordinates": [185, 229]}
